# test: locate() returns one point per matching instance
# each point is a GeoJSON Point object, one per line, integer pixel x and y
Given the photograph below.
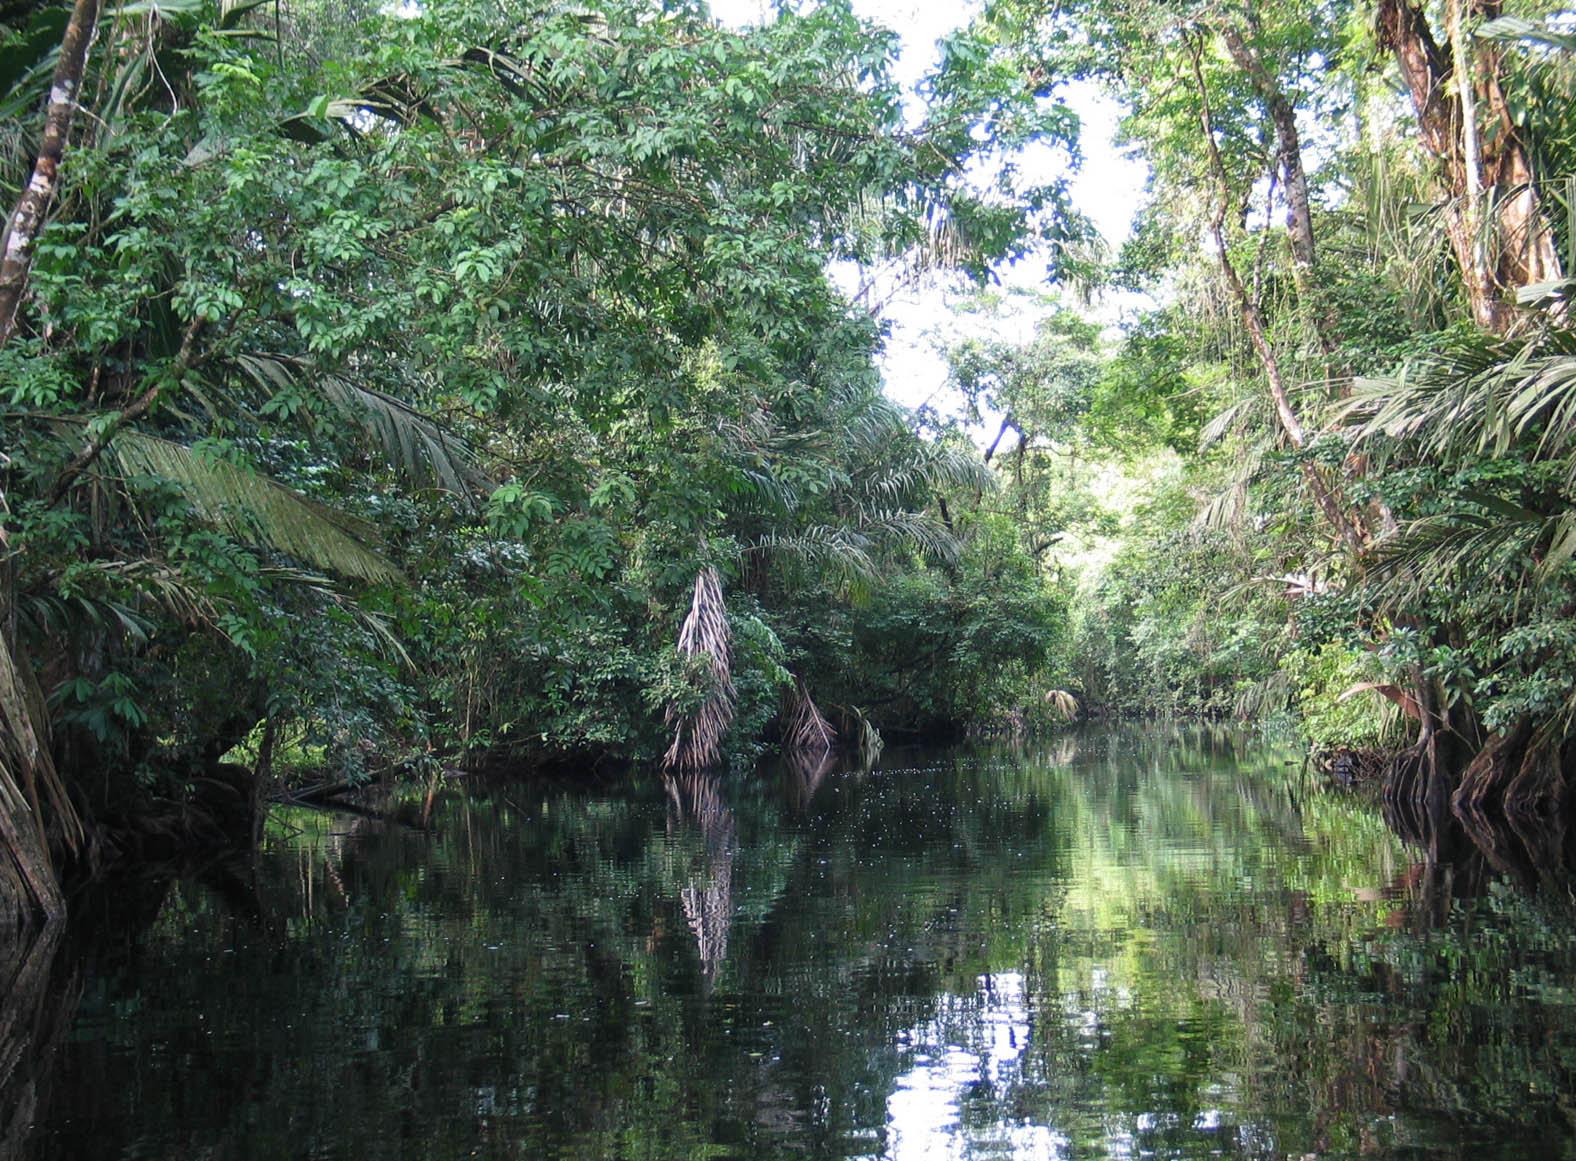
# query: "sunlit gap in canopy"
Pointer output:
{"type": "Point", "coordinates": [1107, 185]}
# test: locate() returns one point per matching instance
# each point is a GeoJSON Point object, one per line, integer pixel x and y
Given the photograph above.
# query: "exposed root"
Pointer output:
{"type": "Point", "coordinates": [1405, 794]}
{"type": "Point", "coordinates": [1482, 785]}
{"type": "Point", "coordinates": [1538, 789]}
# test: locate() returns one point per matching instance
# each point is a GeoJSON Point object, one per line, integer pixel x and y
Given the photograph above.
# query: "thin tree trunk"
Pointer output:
{"type": "Point", "coordinates": [1324, 496]}
{"type": "Point", "coordinates": [1288, 148]}
{"type": "Point", "coordinates": [27, 219]}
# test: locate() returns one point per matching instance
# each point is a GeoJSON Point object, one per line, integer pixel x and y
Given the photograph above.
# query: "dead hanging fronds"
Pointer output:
{"type": "Point", "coordinates": [805, 728]}
{"type": "Point", "coordinates": [697, 736]}
{"type": "Point", "coordinates": [864, 740]}
{"type": "Point", "coordinates": [1064, 703]}
{"type": "Point", "coordinates": [30, 786]}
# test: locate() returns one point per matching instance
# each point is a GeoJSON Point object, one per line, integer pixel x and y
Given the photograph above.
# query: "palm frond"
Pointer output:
{"type": "Point", "coordinates": [1409, 565]}
{"type": "Point", "coordinates": [1225, 510]}
{"type": "Point", "coordinates": [1478, 395]}
{"type": "Point", "coordinates": [697, 736]}
{"type": "Point", "coordinates": [1064, 703]}
{"type": "Point", "coordinates": [375, 624]}
{"type": "Point", "coordinates": [900, 527]}
{"type": "Point", "coordinates": [154, 587]}
{"type": "Point", "coordinates": [805, 727]}
{"type": "Point", "coordinates": [257, 509]}
{"type": "Point", "coordinates": [1536, 33]}
{"type": "Point", "coordinates": [415, 445]}
{"type": "Point", "coordinates": [837, 551]}
{"type": "Point", "coordinates": [1228, 420]}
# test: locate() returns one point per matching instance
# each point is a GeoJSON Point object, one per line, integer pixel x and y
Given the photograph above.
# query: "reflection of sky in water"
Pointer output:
{"type": "Point", "coordinates": [924, 1113]}
{"type": "Point", "coordinates": [972, 1053]}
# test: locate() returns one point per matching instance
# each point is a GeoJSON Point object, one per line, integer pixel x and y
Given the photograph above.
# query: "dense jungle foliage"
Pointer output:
{"type": "Point", "coordinates": [387, 385]}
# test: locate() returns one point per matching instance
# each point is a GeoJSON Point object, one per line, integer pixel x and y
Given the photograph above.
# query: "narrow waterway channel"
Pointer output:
{"type": "Point", "coordinates": [1158, 943]}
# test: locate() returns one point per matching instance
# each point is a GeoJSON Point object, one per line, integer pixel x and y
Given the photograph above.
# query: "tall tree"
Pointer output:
{"type": "Point", "coordinates": [1493, 207]}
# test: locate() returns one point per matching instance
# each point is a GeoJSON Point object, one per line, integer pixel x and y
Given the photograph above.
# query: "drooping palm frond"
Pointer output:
{"type": "Point", "coordinates": [1536, 33]}
{"type": "Point", "coordinates": [142, 587]}
{"type": "Point", "coordinates": [1478, 395]}
{"type": "Point", "coordinates": [257, 509]}
{"type": "Point", "coordinates": [1408, 566]}
{"type": "Point", "coordinates": [912, 479]}
{"type": "Point", "coordinates": [415, 445]}
{"type": "Point", "coordinates": [1224, 511]}
{"type": "Point", "coordinates": [1260, 699]}
{"type": "Point", "coordinates": [839, 553]}
{"type": "Point", "coordinates": [411, 441]}
{"type": "Point", "coordinates": [899, 527]}
{"type": "Point", "coordinates": [697, 736]}
{"type": "Point", "coordinates": [1064, 703]}
{"type": "Point", "coordinates": [1230, 419]}
{"type": "Point", "coordinates": [805, 727]}
{"type": "Point", "coordinates": [33, 798]}
{"type": "Point", "coordinates": [375, 624]}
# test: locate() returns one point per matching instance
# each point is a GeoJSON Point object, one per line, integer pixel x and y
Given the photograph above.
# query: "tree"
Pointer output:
{"type": "Point", "coordinates": [456, 361]}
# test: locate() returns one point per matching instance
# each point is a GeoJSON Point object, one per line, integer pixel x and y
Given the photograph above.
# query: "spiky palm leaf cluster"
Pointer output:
{"type": "Point", "coordinates": [1479, 398]}
{"type": "Point", "coordinates": [697, 736]}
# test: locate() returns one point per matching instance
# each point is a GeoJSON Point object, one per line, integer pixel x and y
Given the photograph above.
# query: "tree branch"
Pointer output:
{"type": "Point", "coordinates": [27, 219]}
{"type": "Point", "coordinates": [140, 406]}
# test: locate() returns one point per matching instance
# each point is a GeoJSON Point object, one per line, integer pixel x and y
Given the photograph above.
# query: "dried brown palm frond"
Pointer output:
{"type": "Point", "coordinates": [865, 742]}
{"type": "Point", "coordinates": [697, 736]}
{"type": "Point", "coordinates": [803, 773]}
{"type": "Point", "coordinates": [28, 783]}
{"type": "Point", "coordinates": [805, 727]}
{"type": "Point", "coordinates": [1064, 703]}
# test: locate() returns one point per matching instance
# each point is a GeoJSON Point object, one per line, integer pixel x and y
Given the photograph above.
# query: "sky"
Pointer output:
{"type": "Point", "coordinates": [1107, 188]}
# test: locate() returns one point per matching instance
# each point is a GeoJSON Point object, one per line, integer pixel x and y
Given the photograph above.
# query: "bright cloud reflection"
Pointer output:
{"type": "Point", "coordinates": [974, 1042]}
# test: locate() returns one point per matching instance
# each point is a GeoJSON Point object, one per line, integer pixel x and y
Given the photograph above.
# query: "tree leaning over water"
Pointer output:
{"type": "Point", "coordinates": [377, 398]}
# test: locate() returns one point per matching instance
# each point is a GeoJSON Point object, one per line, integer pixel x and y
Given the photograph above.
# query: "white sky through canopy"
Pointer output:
{"type": "Point", "coordinates": [1108, 188]}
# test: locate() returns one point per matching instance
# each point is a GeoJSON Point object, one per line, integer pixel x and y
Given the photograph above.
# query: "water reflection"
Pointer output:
{"type": "Point", "coordinates": [33, 1021]}
{"type": "Point", "coordinates": [697, 806]}
{"type": "Point", "coordinates": [1159, 943]}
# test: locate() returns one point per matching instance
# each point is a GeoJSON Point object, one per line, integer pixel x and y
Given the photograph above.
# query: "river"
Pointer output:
{"type": "Point", "coordinates": [1132, 943]}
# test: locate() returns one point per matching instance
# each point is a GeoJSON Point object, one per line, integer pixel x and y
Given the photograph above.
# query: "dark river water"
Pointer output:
{"type": "Point", "coordinates": [1167, 943]}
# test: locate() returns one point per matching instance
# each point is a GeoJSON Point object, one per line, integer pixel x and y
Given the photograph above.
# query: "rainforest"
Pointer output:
{"type": "Point", "coordinates": [395, 399]}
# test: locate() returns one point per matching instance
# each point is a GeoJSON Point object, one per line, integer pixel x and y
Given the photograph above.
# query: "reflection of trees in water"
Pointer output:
{"type": "Point", "coordinates": [519, 980]}
{"type": "Point", "coordinates": [1470, 848]}
{"type": "Point", "coordinates": [803, 771]}
{"type": "Point", "coordinates": [696, 804]}
{"type": "Point", "coordinates": [34, 1018]}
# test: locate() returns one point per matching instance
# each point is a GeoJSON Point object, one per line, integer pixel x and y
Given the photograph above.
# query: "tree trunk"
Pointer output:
{"type": "Point", "coordinates": [1329, 503]}
{"type": "Point", "coordinates": [27, 219]}
{"type": "Point", "coordinates": [1509, 248]}
{"type": "Point", "coordinates": [1288, 148]}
